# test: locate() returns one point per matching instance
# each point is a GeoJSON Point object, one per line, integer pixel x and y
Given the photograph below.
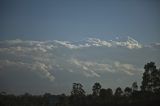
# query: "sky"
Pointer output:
{"type": "Point", "coordinates": [46, 45]}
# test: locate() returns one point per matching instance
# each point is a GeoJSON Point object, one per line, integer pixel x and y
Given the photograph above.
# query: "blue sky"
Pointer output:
{"type": "Point", "coordinates": [46, 45]}
{"type": "Point", "coordinates": [74, 19]}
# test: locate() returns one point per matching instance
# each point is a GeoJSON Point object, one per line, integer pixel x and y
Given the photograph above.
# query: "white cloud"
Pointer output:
{"type": "Point", "coordinates": [98, 42]}
{"type": "Point", "coordinates": [130, 43]}
{"type": "Point", "coordinates": [66, 44]}
{"type": "Point", "coordinates": [43, 57]}
{"type": "Point", "coordinates": [43, 69]}
{"type": "Point", "coordinates": [127, 68]}
{"type": "Point", "coordinates": [40, 68]}
{"type": "Point", "coordinates": [93, 68]}
{"type": "Point", "coordinates": [86, 69]}
{"type": "Point", "coordinates": [44, 46]}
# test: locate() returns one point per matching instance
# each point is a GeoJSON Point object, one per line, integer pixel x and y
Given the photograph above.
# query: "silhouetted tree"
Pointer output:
{"type": "Point", "coordinates": [77, 89]}
{"type": "Point", "coordinates": [106, 92]}
{"type": "Point", "coordinates": [118, 92]}
{"type": "Point", "coordinates": [156, 81]}
{"type": "Point", "coordinates": [151, 78]}
{"type": "Point", "coordinates": [96, 89]}
{"type": "Point", "coordinates": [77, 97]}
{"type": "Point", "coordinates": [105, 96]}
{"type": "Point", "coordinates": [127, 91]}
{"type": "Point", "coordinates": [149, 95]}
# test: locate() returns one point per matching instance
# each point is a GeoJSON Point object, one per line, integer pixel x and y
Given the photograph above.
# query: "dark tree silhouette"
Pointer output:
{"type": "Point", "coordinates": [118, 92]}
{"type": "Point", "coordinates": [77, 97]}
{"type": "Point", "coordinates": [149, 95]}
{"type": "Point", "coordinates": [105, 92]}
{"type": "Point", "coordinates": [127, 91]}
{"type": "Point", "coordinates": [151, 78]}
{"type": "Point", "coordinates": [77, 89]}
{"type": "Point", "coordinates": [96, 89]}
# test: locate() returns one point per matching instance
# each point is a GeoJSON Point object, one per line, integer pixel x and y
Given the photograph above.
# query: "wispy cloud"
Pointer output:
{"type": "Point", "coordinates": [154, 45]}
{"type": "Point", "coordinates": [37, 67]}
{"type": "Point", "coordinates": [129, 69]}
{"type": "Point", "coordinates": [93, 68]}
{"type": "Point", "coordinates": [70, 45]}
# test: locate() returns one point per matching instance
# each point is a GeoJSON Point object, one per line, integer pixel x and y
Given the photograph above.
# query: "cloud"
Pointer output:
{"type": "Point", "coordinates": [69, 45]}
{"type": "Point", "coordinates": [127, 68]}
{"type": "Point", "coordinates": [31, 55]}
{"type": "Point", "coordinates": [130, 43]}
{"type": "Point", "coordinates": [154, 45]}
{"type": "Point", "coordinates": [93, 68]}
{"type": "Point", "coordinates": [98, 42]}
{"type": "Point", "coordinates": [46, 57]}
{"type": "Point", "coordinates": [43, 69]}
{"type": "Point", "coordinates": [37, 67]}
{"type": "Point", "coordinates": [85, 67]}
{"type": "Point", "coordinates": [16, 41]}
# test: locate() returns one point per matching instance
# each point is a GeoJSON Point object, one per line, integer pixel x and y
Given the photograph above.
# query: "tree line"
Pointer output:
{"type": "Point", "coordinates": [148, 94]}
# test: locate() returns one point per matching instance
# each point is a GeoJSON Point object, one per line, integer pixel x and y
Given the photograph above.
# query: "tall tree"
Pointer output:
{"type": "Point", "coordinates": [77, 97]}
{"type": "Point", "coordinates": [151, 78]}
{"type": "Point", "coordinates": [77, 89]}
{"type": "Point", "coordinates": [96, 89]}
{"type": "Point", "coordinates": [156, 81]}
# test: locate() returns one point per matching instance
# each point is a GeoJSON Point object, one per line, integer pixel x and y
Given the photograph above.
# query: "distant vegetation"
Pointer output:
{"type": "Point", "coordinates": [148, 95]}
